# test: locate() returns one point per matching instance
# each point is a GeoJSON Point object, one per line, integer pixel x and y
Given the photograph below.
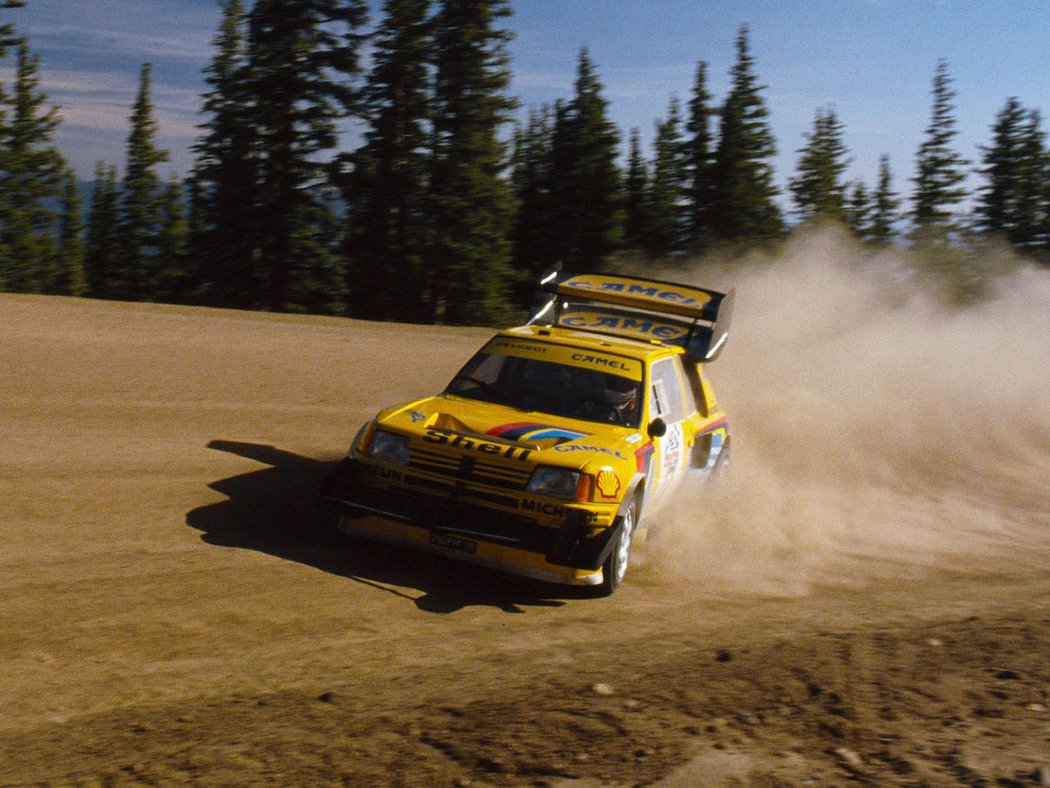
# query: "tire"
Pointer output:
{"type": "Point", "coordinates": [615, 567]}
{"type": "Point", "coordinates": [721, 469]}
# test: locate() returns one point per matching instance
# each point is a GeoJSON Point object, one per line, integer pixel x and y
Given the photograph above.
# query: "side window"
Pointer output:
{"type": "Point", "coordinates": [657, 399]}
{"type": "Point", "coordinates": [665, 395]}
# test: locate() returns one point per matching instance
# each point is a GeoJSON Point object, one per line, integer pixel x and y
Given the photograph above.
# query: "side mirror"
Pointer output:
{"type": "Point", "coordinates": [657, 428]}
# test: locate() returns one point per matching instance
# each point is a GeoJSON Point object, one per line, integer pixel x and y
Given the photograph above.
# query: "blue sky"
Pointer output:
{"type": "Point", "coordinates": [872, 60]}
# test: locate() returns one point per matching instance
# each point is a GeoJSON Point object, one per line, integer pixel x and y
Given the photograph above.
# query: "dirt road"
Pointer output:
{"type": "Point", "coordinates": [173, 610]}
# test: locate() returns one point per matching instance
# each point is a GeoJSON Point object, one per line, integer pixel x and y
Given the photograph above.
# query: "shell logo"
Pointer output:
{"type": "Point", "coordinates": [608, 483]}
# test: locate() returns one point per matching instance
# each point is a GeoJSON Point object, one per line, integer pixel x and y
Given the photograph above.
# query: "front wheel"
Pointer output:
{"type": "Point", "coordinates": [615, 566]}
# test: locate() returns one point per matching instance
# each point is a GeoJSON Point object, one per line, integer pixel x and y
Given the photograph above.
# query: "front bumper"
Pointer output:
{"type": "Point", "coordinates": [470, 524]}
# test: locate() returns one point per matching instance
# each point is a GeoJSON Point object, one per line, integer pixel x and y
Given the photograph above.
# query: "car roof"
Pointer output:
{"type": "Point", "coordinates": [640, 349]}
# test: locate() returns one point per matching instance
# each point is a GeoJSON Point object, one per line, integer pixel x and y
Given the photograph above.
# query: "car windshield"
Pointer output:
{"type": "Point", "coordinates": [548, 387]}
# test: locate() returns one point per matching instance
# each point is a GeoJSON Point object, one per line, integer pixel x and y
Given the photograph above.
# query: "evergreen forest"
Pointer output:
{"type": "Point", "coordinates": [454, 198]}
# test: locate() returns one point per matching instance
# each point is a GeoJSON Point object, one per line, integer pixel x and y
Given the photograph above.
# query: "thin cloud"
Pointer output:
{"type": "Point", "coordinates": [115, 28]}
{"type": "Point", "coordinates": [175, 122]}
{"type": "Point", "coordinates": [103, 101]}
{"type": "Point", "coordinates": [133, 44]}
{"type": "Point", "coordinates": [646, 82]}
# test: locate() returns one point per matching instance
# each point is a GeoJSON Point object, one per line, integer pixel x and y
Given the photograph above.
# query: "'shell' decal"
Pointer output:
{"type": "Point", "coordinates": [608, 483]}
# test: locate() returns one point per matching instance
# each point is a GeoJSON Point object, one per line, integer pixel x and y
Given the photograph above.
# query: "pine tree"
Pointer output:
{"type": "Point", "coordinates": [531, 179]}
{"type": "Point", "coordinates": [999, 207]}
{"type": "Point", "coordinates": [587, 183]}
{"type": "Point", "coordinates": [857, 208]}
{"type": "Point", "coordinates": [174, 283]}
{"type": "Point", "coordinates": [223, 228]}
{"type": "Point", "coordinates": [388, 187]}
{"type": "Point", "coordinates": [8, 263]}
{"type": "Point", "coordinates": [7, 30]}
{"type": "Point", "coordinates": [32, 183]}
{"type": "Point", "coordinates": [317, 278]}
{"type": "Point", "coordinates": [636, 227]}
{"type": "Point", "coordinates": [818, 188]}
{"type": "Point", "coordinates": [138, 276]}
{"type": "Point", "coordinates": [563, 195]}
{"type": "Point", "coordinates": [885, 205]}
{"type": "Point", "coordinates": [940, 170]}
{"type": "Point", "coordinates": [665, 195]}
{"type": "Point", "coordinates": [72, 279]}
{"type": "Point", "coordinates": [196, 238]}
{"type": "Point", "coordinates": [699, 161]}
{"type": "Point", "coordinates": [302, 59]}
{"type": "Point", "coordinates": [468, 263]}
{"type": "Point", "coordinates": [1016, 168]}
{"type": "Point", "coordinates": [1035, 151]}
{"type": "Point", "coordinates": [102, 253]}
{"type": "Point", "coordinates": [939, 188]}
{"type": "Point", "coordinates": [1034, 229]}
{"type": "Point", "coordinates": [744, 197]}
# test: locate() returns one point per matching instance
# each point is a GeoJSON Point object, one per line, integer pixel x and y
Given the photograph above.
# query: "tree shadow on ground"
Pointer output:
{"type": "Point", "coordinates": [275, 510]}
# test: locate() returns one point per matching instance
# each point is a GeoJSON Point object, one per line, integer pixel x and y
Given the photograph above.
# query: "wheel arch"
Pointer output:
{"type": "Point", "coordinates": [636, 492]}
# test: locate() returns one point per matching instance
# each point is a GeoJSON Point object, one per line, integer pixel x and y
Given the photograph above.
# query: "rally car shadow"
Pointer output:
{"type": "Point", "coordinates": [274, 510]}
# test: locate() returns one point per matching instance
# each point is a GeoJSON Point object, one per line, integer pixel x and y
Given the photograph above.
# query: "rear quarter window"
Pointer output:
{"type": "Point", "coordinates": [665, 392]}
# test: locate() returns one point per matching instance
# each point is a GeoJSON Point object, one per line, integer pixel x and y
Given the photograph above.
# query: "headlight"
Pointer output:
{"type": "Point", "coordinates": [555, 482]}
{"type": "Point", "coordinates": [388, 447]}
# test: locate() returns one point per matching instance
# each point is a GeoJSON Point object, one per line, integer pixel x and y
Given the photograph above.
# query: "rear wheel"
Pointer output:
{"type": "Point", "coordinates": [721, 469]}
{"type": "Point", "coordinates": [615, 566]}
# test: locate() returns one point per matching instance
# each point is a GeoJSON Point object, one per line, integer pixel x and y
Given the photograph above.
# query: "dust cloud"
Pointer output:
{"type": "Point", "coordinates": [876, 431]}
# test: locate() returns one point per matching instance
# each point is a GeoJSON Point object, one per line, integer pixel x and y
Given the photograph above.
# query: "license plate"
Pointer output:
{"type": "Point", "coordinates": [453, 542]}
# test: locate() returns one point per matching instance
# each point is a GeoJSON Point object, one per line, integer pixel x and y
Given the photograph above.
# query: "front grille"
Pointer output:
{"type": "Point", "coordinates": [447, 491]}
{"type": "Point", "coordinates": [469, 467]}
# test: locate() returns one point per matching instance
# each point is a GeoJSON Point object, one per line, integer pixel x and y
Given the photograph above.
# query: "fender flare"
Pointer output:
{"type": "Point", "coordinates": [638, 480]}
{"type": "Point", "coordinates": [573, 548]}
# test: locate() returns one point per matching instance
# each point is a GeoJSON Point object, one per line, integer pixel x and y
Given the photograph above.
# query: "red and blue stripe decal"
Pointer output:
{"type": "Point", "coordinates": [644, 456]}
{"type": "Point", "coordinates": [721, 424]}
{"type": "Point", "coordinates": [530, 431]}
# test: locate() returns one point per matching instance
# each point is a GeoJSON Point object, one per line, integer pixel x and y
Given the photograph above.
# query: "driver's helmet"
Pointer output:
{"type": "Point", "coordinates": [622, 395]}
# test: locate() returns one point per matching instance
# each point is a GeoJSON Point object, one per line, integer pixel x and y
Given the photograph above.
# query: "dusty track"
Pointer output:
{"type": "Point", "coordinates": [172, 608]}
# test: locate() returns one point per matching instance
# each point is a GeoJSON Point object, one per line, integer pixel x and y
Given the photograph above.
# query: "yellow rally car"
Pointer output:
{"type": "Point", "coordinates": [556, 440]}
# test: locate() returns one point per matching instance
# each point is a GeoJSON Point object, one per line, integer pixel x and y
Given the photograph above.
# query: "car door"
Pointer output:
{"type": "Point", "coordinates": [670, 450]}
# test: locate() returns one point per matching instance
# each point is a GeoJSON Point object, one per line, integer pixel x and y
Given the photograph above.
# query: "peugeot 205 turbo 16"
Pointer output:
{"type": "Point", "coordinates": [557, 441]}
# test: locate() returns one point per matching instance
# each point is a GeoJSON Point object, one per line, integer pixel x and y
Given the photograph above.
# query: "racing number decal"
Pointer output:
{"type": "Point", "coordinates": [672, 450]}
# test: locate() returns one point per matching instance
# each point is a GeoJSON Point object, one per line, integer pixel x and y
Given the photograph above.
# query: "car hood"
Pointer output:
{"type": "Point", "coordinates": [548, 439]}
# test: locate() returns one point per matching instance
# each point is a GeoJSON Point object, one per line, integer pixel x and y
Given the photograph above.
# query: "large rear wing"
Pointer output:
{"type": "Point", "coordinates": [693, 318]}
